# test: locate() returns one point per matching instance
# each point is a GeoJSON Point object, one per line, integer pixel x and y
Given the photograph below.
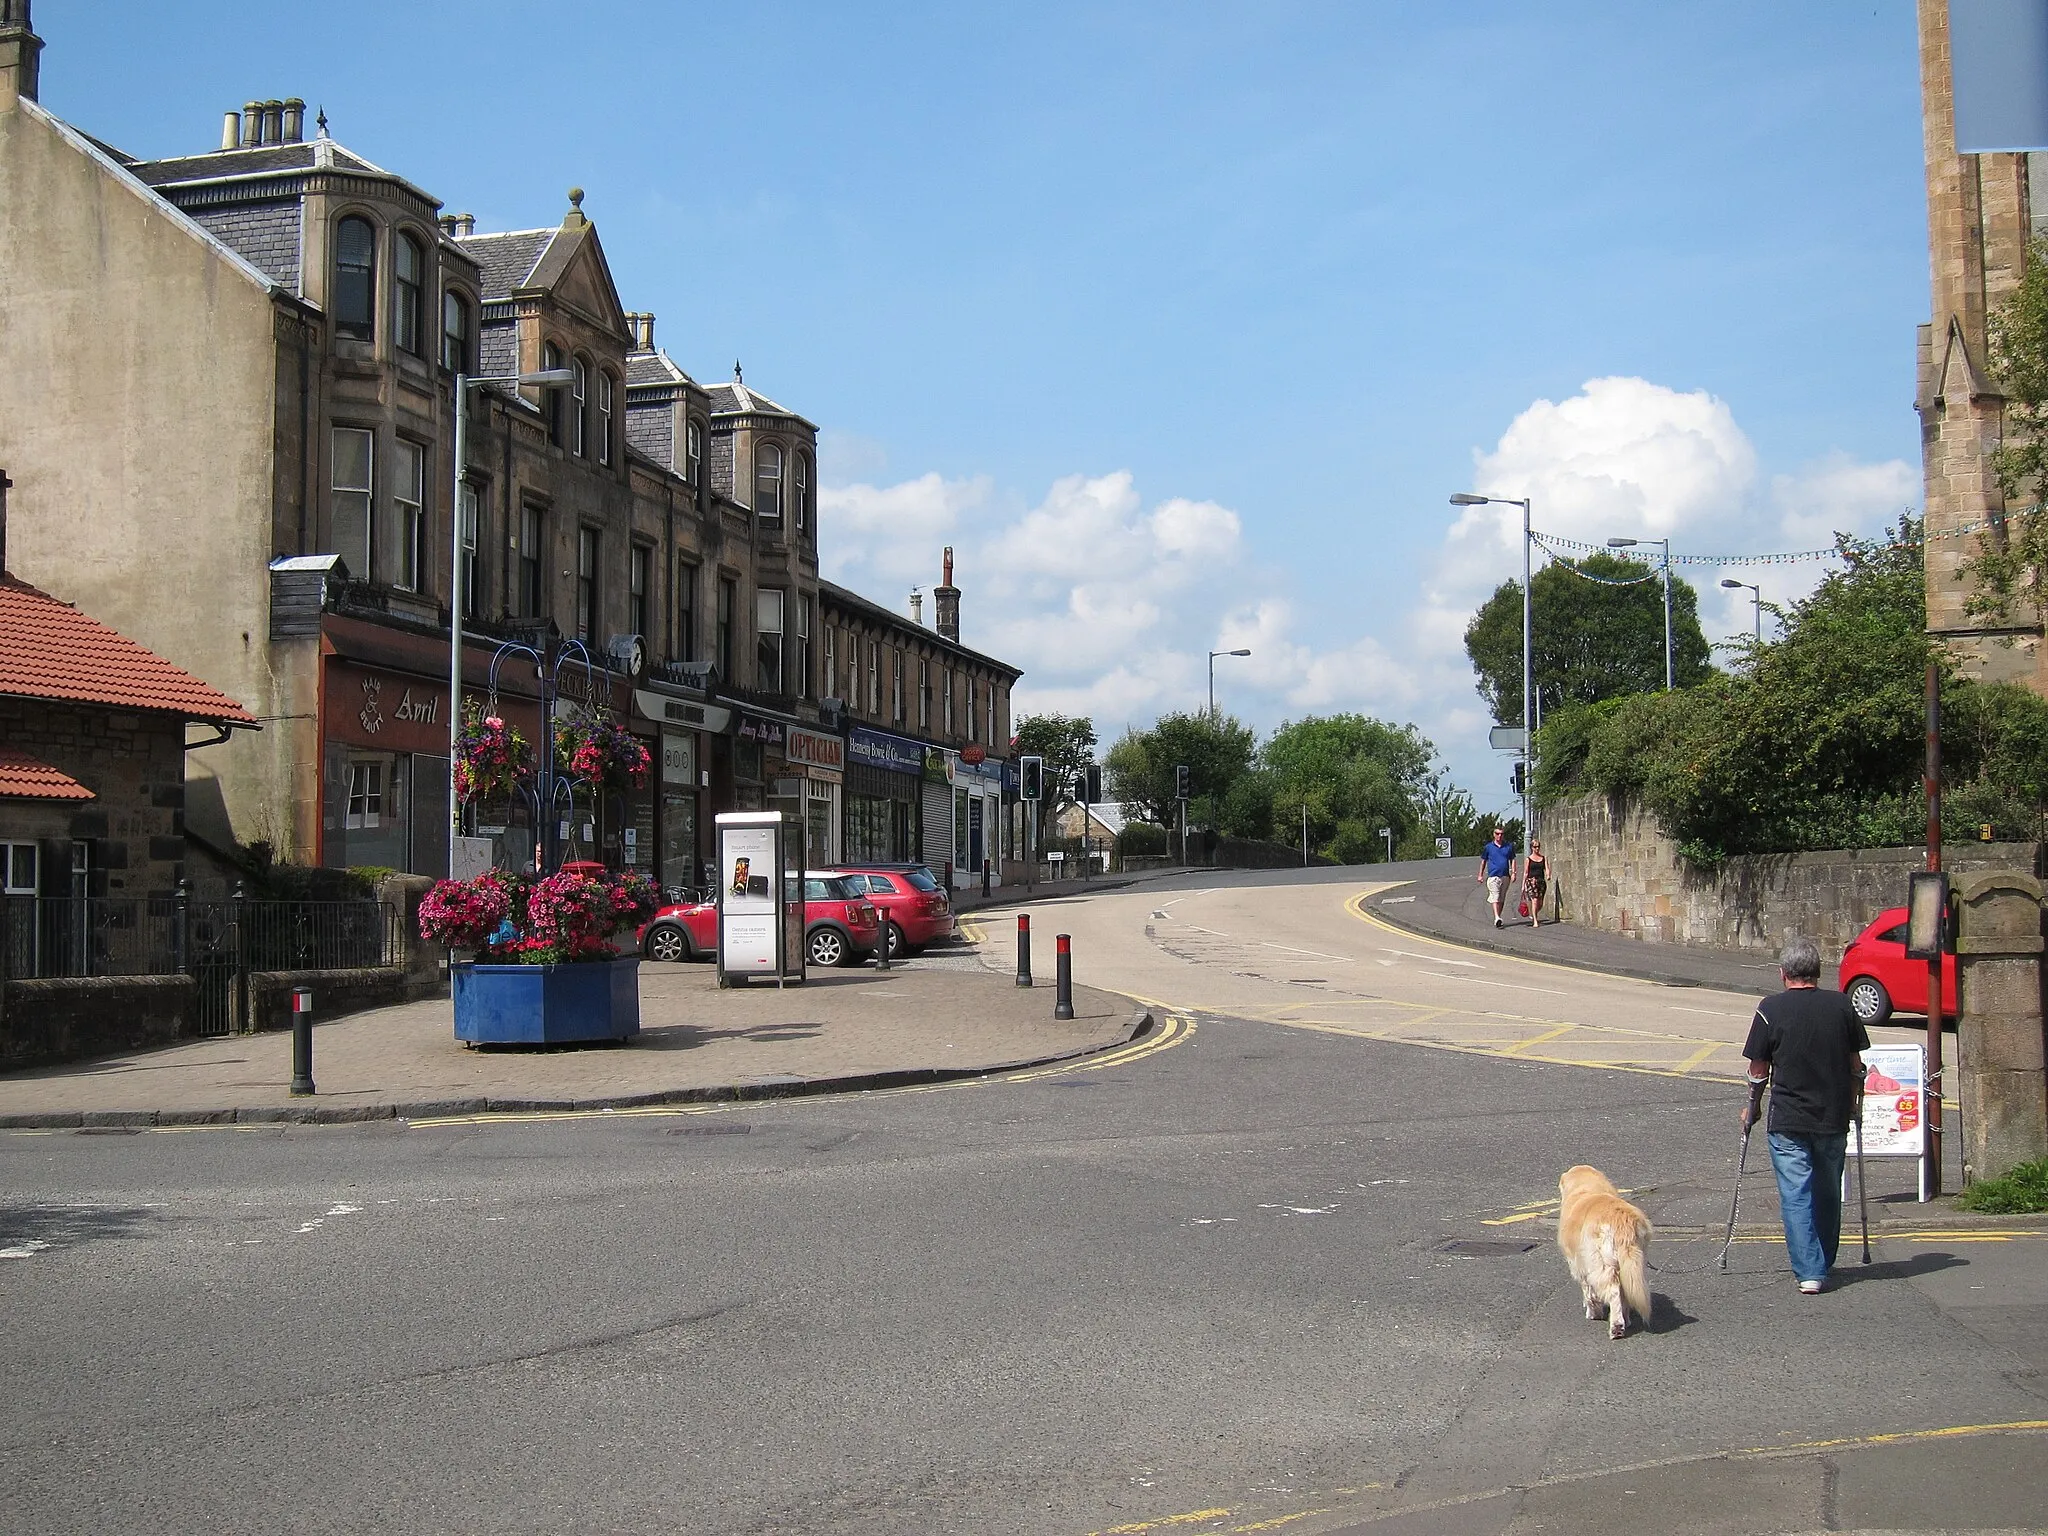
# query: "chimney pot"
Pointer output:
{"type": "Point", "coordinates": [252, 123]}
{"type": "Point", "coordinates": [294, 120]}
{"type": "Point", "coordinates": [4, 483]}
{"type": "Point", "coordinates": [468, 223]}
{"type": "Point", "coordinates": [231, 131]}
{"type": "Point", "coordinates": [273, 121]}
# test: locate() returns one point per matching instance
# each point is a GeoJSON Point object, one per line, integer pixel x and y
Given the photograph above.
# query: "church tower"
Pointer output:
{"type": "Point", "coordinates": [1981, 211]}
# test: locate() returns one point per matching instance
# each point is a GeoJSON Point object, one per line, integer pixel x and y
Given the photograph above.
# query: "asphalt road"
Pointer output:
{"type": "Point", "coordinates": [1201, 1286]}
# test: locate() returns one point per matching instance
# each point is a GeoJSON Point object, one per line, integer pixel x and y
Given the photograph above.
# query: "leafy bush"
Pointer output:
{"type": "Point", "coordinates": [2018, 1193]}
{"type": "Point", "coordinates": [1141, 838]}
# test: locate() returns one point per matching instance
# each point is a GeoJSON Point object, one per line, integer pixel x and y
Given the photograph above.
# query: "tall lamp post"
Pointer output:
{"type": "Point", "coordinates": [551, 378]}
{"type": "Point", "coordinates": [1756, 594]}
{"type": "Point", "coordinates": [1212, 673]}
{"type": "Point", "coordinates": [1467, 499]}
{"type": "Point", "coordinates": [1666, 543]}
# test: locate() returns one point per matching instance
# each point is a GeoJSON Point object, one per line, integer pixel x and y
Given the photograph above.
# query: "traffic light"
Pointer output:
{"type": "Point", "coordinates": [1180, 781]}
{"type": "Point", "coordinates": [1521, 777]}
{"type": "Point", "coordinates": [1031, 778]}
{"type": "Point", "coordinates": [1092, 782]}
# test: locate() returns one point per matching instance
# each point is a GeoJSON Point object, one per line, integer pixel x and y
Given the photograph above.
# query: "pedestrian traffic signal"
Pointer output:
{"type": "Point", "coordinates": [1180, 781]}
{"type": "Point", "coordinates": [1031, 778]}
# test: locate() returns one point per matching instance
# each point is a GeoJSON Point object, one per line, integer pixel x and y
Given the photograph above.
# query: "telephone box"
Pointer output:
{"type": "Point", "coordinates": [760, 896]}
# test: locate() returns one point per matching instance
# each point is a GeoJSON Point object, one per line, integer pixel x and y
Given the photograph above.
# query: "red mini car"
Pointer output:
{"type": "Point", "coordinates": [913, 903]}
{"type": "Point", "coordinates": [841, 927]}
{"type": "Point", "coordinates": [1879, 980]}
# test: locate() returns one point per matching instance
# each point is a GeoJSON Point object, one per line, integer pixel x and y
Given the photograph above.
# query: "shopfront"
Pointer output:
{"type": "Point", "coordinates": [819, 760]}
{"type": "Point", "coordinates": [884, 795]}
{"type": "Point", "coordinates": [973, 815]}
{"type": "Point", "coordinates": [384, 768]}
{"type": "Point", "coordinates": [671, 830]}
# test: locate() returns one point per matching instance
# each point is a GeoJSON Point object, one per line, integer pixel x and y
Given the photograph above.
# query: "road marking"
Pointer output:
{"type": "Point", "coordinates": [1434, 959]}
{"type": "Point", "coordinates": [1314, 954]}
{"type": "Point", "coordinates": [1356, 907]}
{"type": "Point", "coordinates": [1192, 1517]}
{"type": "Point", "coordinates": [1700, 1055]}
{"type": "Point", "coordinates": [1512, 986]}
{"type": "Point", "coordinates": [1712, 1013]}
{"type": "Point", "coordinates": [1548, 1035]}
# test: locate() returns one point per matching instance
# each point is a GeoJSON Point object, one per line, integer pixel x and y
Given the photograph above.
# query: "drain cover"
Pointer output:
{"type": "Point", "coordinates": [711, 1130]}
{"type": "Point", "coordinates": [1483, 1248]}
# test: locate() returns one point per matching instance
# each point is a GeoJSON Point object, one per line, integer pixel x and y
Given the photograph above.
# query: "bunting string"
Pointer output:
{"type": "Point", "coordinates": [1552, 544]}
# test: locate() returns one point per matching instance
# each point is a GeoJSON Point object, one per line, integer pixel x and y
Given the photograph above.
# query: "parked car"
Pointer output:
{"type": "Point", "coordinates": [841, 927]}
{"type": "Point", "coordinates": [913, 903]}
{"type": "Point", "coordinates": [1879, 980]}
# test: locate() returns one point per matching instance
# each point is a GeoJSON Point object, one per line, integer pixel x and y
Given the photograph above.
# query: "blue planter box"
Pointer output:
{"type": "Point", "coordinates": [547, 1004]}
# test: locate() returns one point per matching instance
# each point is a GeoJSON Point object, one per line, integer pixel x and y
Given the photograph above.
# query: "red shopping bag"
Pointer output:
{"type": "Point", "coordinates": [1525, 906]}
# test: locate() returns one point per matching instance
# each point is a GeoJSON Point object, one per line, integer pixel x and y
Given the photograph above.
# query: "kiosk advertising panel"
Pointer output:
{"type": "Point", "coordinates": [760, 886]}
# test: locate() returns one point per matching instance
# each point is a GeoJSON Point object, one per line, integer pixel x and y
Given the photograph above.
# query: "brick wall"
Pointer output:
{"type": "Point", "coordinates": [1616, 871]}
{"type": "Point", "coordinates": [133, 763]}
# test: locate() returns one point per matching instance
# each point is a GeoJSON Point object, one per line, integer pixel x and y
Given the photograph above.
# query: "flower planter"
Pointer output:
{"type": "Point", "coordinates": [547, 1004]}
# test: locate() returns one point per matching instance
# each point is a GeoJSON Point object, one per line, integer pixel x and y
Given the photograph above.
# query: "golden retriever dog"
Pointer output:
{"type": "Point", "coordinates": [1603, 1238]}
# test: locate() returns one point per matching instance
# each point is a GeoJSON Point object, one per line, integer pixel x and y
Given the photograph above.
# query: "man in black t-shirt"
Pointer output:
{"type": "Point", "coordinates": [1808, 1045]}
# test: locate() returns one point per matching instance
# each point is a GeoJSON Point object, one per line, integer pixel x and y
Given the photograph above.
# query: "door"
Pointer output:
{"type": "Point", "coordinates": [976, 834]}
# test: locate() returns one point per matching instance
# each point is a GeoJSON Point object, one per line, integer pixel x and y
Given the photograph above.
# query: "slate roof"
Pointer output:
{"type": "Point", "coordinates": [49, 650]}
{"type": "Point", "coordinates": [505, 262]}
{"type": "Point", "coordinates": [267, 235]}
{"type": "Point", "coordinates": [27, 778]}
{"type": "Point", "coordinates": [244, 162]}
{"type": "Point", "coordinates": [831, 594]}
{"type": "Point", "coordinates": [655, 367]}
{"type": "Point", "coordinates": [732, 398]}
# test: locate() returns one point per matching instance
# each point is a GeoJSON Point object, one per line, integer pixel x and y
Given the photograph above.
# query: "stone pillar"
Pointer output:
{"type": "Point", "coordinates": [1999, 1040]}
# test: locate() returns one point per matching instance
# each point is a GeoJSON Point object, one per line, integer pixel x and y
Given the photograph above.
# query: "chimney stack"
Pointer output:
{"type": "Point", "coordinates": [4, 483]}
{"type": "Point", "coordinates": [640, 322]}
{"type": "Point", "coordinates": [946, 604]}
{"type": "Point", "coordinates": [21, 54]}
{"type": "Point", "coordinates": [917, 607]}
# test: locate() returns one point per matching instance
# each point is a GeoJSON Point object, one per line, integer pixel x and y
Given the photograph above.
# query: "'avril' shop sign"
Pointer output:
{"type": "Point", "coordinates": [370, 707]}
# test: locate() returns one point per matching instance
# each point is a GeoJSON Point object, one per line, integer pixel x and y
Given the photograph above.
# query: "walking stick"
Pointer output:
{"type": "Point", "coordinates": [1862, 1184]}
{"type": "Point", "coordinates": [1756, 1099]}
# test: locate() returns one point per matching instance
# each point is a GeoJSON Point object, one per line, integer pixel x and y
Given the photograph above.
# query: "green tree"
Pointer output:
{"type": "Point", "coordinates": [1067, 743]}
{"type": "Point", "coordinates": [1138, 771]}
{"type": "Point", "coordinates": [2010, 570]}
{"type": "Point", "coordinates": [1588, 640]}
{"type": "Point", "coordinates": [1351, 775]}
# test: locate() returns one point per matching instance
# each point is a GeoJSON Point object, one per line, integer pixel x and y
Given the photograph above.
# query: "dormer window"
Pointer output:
{"type": "Point", "coordinates": [408, 296]}
{"type": "Point", "coordinates": [768, 482]}
{"type": "Point", "coordinates": [693, 453]}
{"type": "Point", "coordinates": [455, 332]}
{"type": "Point", "coordinates": [355, 278]}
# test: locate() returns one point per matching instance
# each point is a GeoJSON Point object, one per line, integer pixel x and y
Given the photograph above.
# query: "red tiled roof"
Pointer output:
{"type": "Point", "coordinates": [25, 778]}
{"type": "Point", "coordinates": [49, 650]}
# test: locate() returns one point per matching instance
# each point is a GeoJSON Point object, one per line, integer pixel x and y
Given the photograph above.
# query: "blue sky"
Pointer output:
{"type": "Point", "coordinates": [1182, 321]}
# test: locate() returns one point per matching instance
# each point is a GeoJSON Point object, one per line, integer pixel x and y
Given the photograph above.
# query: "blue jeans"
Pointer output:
{"type": "Point", "coordinates": [1809, 1170]}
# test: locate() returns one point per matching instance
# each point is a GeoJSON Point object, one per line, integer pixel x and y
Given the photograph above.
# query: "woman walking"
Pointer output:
{"type": "Point", "coordinates": [1535, 881]}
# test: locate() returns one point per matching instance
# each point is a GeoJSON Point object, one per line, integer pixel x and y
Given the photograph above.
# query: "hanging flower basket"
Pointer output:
{"type": "Point", "coordinates": [597, 749]}
{"type": "Point", "coordinates": [492, 760]}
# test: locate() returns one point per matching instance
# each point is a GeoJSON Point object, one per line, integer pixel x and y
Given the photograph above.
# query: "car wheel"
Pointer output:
{"type": "Point", "coordinates": [667, 942]}
{"type": "Point", "coordinates": [1872, 1003]}
{"type": "Point", "coordinates": [898, 946]}
{"type": "Point", "coordinates": [828, 948]}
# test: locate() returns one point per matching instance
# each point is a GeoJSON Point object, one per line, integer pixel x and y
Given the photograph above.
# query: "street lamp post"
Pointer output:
{"type": "Point", "coordinates": [1212, 674]}
{"type": "Point", "coordinates": [548, 378]}
{"type": "Point", "coordinates": [1467, 499]}
{"type": "Point", "coordinates": [1756, 594]}
{"type": "Point", "coordinates": [1666, 543]}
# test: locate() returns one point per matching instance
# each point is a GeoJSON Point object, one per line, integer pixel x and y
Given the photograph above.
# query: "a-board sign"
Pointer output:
{"type": "Point", "coordinates": [1894, 1110]}
{"type": "Point", "coordinates": [1443, 847]}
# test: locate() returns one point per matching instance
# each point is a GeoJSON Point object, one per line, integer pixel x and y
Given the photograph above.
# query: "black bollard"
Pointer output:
{"type": "Point", "coordinates": [984, 879]}
{"type": "Point", "coordinates": [1063, 990]}
{"type": "Point", "coordinates": [302, 1041]}
{"type": "Point", "coordinates": [1023, 949]}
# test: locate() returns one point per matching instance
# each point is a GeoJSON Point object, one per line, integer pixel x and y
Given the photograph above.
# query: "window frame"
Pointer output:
{"type": "Point", "coordinates": [768, 468]}
{"type": "Point", "coordinates": [408, 295]}
{"type": "Point", "coordinates": [532, 569]}
{"type": "Point", "coordinates": [604, 416]}
{"type": "Point", "coordinates": [639, 570]}
{"type": "Point", "coordinates": [727, 617]}
{"type": "Point", "coordinates": [589, 554]}
{"type": "Point", "coordinates": [411, 512]}
{"type": "Point", "coordinates": [770, 656]}
{"type": "Point", "coordinates": [693, 453]}
{"type": "Point", "coordinates": [579, 407]}
{"type": "Point", "coordinates": [924, 693]}
{"type": "Point", "coordinates": [896, 684]}
{"type": "Point", "coordinates": [355, 315]}
{"type": "Point", "coordinates": [457, 341]}
{"type": "Point", "coordinates": [686, 610]}
{"type": "Point", "coordinates": [831, 683]}
{"type": "Point", "coordinates": [553, 395]}
{"type": "Point", "coordinates": [801, 471]}
{"type": "Point", "coordinates": [946, 674]}
{"type": "Point", "coordinates": [469, 515]}
{"type": "Point", "coordinates": [804, 605]}
{"type": "Point", "coordinates": [367, 491]}
{"type": "Point", "coordinates": [874, 677]}
{"type": "Point", "coordinates": [367, 788]}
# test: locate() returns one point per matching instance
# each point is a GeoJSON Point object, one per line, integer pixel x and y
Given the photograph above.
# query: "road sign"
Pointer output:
{"type": "Point", "coordinates": [1443, 847]}
{"type": "Point", "coordinates": [1507, 738]}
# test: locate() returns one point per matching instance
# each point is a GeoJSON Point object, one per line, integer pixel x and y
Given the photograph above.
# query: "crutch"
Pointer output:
{"type": "Point", "coordinates": [1862, 1184]}
{"type": "Point", "coordinates": [1756, 1099]}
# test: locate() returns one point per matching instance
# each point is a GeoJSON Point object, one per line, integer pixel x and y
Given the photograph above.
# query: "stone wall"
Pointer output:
{"type": "Point", "coordinates": [1616, 871]}
{"type": "Point", "coordinates": [70, 1018]}
{"type": "Point", "coordinates": [134, 764]}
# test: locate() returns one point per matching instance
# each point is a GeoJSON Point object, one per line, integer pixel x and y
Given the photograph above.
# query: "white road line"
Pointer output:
{"type": "Point", "coordinates": [1313, 953]}
{"type": "Point", "coordinates": [1512, 986]}
{"type": "Point", "coordinates": [1712, 1013]}
{"type": "Point", "coordinates": [1409, 954]}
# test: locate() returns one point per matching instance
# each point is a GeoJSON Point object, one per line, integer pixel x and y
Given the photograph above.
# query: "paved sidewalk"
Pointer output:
{"type": "Point", "coordinates": [927, 1020]}
{"type": "Point", "coordinates": [1455, 908]}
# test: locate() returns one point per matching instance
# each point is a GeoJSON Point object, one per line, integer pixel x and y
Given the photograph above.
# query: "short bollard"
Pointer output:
{"type": "Point", "coordinates": [1063, 990]}
{"type": "Point", "coordinates": [882, 945]}
{"type": "Point", "coordinates": [302, 1041]}
{"type": "Point", "coordinates": [984, 879]}
{"type": "Point", "coordinates": [1023, 949]}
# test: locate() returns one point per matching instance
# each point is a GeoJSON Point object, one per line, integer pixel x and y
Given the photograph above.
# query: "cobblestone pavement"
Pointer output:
{"type": "Point", "coordinates": [940, 1012]}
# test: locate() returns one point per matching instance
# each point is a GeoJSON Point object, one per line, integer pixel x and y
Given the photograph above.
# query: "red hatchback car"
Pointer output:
{"type": "Point", "coordinates": [1879, 980]}
{"type": "Point", "coordinates": [912, 901]}
{"type": "Point", "coordinates": [841, 927]}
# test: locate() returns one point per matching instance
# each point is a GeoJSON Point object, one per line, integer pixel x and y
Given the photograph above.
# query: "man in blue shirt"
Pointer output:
{"type": "Point", "coordinates": [1497, 869]}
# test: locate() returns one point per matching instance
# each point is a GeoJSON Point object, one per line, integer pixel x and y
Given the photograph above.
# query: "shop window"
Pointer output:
{"type": "Point", "coordinates": [365, 796]}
